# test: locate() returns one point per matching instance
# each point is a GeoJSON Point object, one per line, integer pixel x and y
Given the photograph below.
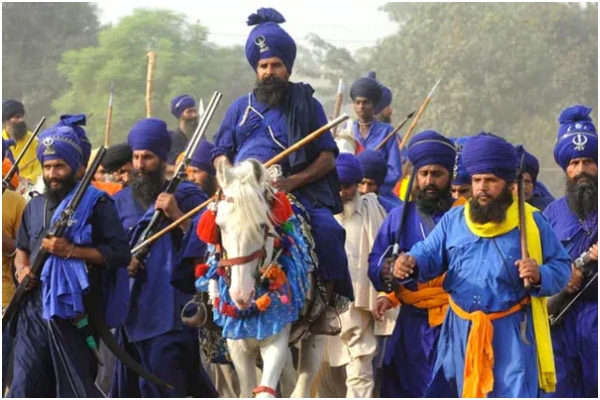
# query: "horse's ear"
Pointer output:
{"type": "Point", "coordinates": [224, 174]}
{"type": "Point", "coordinates": [260, 173]}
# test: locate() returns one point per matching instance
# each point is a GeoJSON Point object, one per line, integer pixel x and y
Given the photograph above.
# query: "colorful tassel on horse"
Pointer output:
{"type": "Point", "coordinates": [201, 270]}
{"type": "Point", "coordinates": [282, 208]}
{"type": "Point", "coordinates": [263, 302]}
{"type": "Point", "coordinates": [208, 230]}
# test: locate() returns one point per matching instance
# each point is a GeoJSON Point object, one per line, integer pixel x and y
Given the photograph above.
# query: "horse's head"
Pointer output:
{"type": "Point", "coordinates": [243, 216]}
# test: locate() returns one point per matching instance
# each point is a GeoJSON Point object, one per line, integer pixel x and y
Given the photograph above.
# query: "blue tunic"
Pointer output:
{"type": "Point", "coordinates": [51, 358]}
{"type": "Point", "coordinates": [389, 201]}
{"type": "Point", "coordinates": [575, 339]}
{"type": "Point", "coordinates": [378, 132]}
{"type": "Point", "coordinates": [410, 351]}
{"type": "Point", "coordinates": [263, 133]}
{"type": "Point", "coordinates": [481, 276]}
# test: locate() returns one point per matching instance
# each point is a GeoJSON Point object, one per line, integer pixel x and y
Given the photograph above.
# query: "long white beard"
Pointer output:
{"type": "Point", "coordinates": [351, 206]}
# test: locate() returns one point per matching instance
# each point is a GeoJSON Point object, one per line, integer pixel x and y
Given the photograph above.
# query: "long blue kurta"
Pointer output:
{"type": "Point", "coordinates": [51, 357]}
{"type": "Point", "coordinates": [410, 351]}
{"type": "Point", "coordinates": [263, 133]}
{"type": "Point", "coordinates": [391, 153]}
{"type": "Point", "coordinates": [163, 344]}
{"type": "Point", "coordinates": [575, 339]}
{"type": "Point", "coordinates": [481, 276]}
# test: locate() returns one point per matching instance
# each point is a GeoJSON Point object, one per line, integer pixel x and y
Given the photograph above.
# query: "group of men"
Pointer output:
{"type": "Point", "coordinates": [448, 286]}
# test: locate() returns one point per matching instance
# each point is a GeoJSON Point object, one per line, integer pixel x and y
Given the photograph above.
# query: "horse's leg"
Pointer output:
{"type": "Point", "coordinates": [274, 351]}
{"type": "Point", "coordinates": [243, 354]}
{"type": "Point", "coordinates": [288, 379]}
{"type": "Point", "coordinates": [311, 355]}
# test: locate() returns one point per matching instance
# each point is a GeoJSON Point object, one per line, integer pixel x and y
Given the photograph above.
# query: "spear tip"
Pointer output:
{"type": "Point", "coordinates": [412, 114]}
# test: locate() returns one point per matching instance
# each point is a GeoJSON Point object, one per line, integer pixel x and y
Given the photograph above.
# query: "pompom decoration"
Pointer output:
{"type": "Point", "coordinates": [263, 302]}
{"type": "Point", "coordinates": [282, 208]}
{"type": "Point", "coordinates": [201, 270]}
{"type": "Point", "coordinates": [264, 15]}
{"type": "Point", "coordinates": [284, 299]}
{"type": "Point", "coordinates": [207, 229]}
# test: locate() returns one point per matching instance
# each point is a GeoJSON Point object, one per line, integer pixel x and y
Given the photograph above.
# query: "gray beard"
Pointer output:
{"type": "Point", "coordinates": [350, 207]}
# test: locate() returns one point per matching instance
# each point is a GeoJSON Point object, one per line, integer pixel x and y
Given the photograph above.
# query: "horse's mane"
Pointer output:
{"type": "Point", "coordinates": [248, 186]}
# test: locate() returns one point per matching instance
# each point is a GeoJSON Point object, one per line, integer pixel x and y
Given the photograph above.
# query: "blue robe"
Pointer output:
{"type": "Point", "coordinates": [162, 343]}
{"type": "Point", "coordinates": [51, 358]}
{"type": "Point", "coordinates": [390, 152]}
{"type": "Point", "coordinates": [246, 135]}
{"type": "Point", "coordinates": [481, 276]}
{"type": "Point", "coordinates": [389, 201]}
{"type": "Point", "coordinates": [410, 351]}
{"type": "Point", "coordinates": [575, 339]}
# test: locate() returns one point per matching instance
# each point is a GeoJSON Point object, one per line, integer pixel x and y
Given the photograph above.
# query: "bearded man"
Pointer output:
{"type": "Point", "coordinates": [183, 107]}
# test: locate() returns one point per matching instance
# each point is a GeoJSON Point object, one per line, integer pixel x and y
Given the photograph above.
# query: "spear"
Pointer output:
{"type": "Point", "coordinates": [108, 116]}
{"type": "Point", "coordinates": [339, 97]}
{"type": "Point", "coordinates": [151, 58]}
{"type": "Point", "coordinates": [312, 136]}
{"type": "Point", "coordinates": [396, 129]}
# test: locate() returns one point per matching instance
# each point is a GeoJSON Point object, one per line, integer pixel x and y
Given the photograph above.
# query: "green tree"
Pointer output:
{"type": "Point", "coordinates": [185, 63]}
{"type": "Point", "coordinates": [34, 35]}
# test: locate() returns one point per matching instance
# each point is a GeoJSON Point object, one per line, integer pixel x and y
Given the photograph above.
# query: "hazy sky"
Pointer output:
{"type": "Point", "coordinates": [350, 24]}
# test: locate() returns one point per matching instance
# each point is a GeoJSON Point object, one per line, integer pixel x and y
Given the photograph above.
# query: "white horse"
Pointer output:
{"type": "Point", "coordinates": [247, 238]}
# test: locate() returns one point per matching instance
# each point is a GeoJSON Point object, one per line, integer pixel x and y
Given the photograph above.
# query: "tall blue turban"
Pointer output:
{"type": "Point", "coordinates": [429, 147]}
{"type": "Point", "coordinates": [181, 103]}
{"type": "Point", "coordinates": [267, 39]}
{"type": "Point", "coordinates": [368, 88]}
{"type": "Point", "coordinates": [60, 143]}
{"type": "Point", "coordinates": [577, 137]}
{"type": "Point", "coordinates": [201, 157]}
{"type": "Point", "coordinates": [386, 95]}
{"type": "Point", "coordinates": [348, 169]}
{"type": "Point", "coordinates": [460, 175]}
{"type": "Point", "coordinates": [373, 165]}
{"type": "Point", "coordinates": [486, 153]}
{"type": "Point", "coordinates": [532, 165]}
{"type": "Point", "coordinates": [76, 122]}
{"type": "Point", "coordinates": [10, 108]}
{"type": "Point", "coordinates": [150, 134]}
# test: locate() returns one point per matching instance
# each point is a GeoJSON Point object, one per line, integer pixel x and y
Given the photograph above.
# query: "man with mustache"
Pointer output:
{"type": "Point", "coordinates": [14, 127]}
{"type": "Point", "coordinates": [375, 169]}
{"type": "Point", "coordinates": [117, 162]}
{"type": "Point", "coordinates": [201, 171]}
{"type": "Point", "coordinates": [410, 351]}
{"type": "Point", "coordinates": [183, 107]}
{"type": "Point", "coordinates": [274, 116]}
{"type": "Point", "coordinates": [574, 218]}
{"type": "Point", "coordinates": [51, 355]}
{"type": "Point", "coordinates": [495, 339]}
{"type": "Point", "coordinates": [153, 327]}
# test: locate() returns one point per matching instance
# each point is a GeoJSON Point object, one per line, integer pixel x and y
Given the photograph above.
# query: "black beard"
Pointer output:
{"type": "Point", "coordinates": [19, 129]}
{"type": "Point", "coordinates": [271, 90]}
{"type": "Point", "coordinates": [146, 187]}
{"type": "Point", "coordinates": [189, 126]}
{"type": "Point", "coordinates": [67, 184]}
{"type": "Point", "coordinates": [439, 201]}
{"type": "Point", "coordinates": [384, 118]}
{"type": "Point", "coordinates": [582, 194]}
{"type": "Point", "coordinates": [494, 211]}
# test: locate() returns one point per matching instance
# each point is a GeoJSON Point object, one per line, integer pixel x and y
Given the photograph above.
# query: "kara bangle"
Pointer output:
{"type": "Point", "coordinates": [71, 251]}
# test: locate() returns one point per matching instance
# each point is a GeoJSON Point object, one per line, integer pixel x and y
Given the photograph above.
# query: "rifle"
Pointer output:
{"type": "Point", "coordinates": [522, 223]}
{"type": "Point", "coordinates": [559, 304]}
{"type": "Point", "coordinates": [15, 166]}
{"type": "Point", "coordinates": [158, 216]}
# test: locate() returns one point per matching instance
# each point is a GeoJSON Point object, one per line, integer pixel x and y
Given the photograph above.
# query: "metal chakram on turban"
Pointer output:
{"type": "Point", "coordinates": [460, 175]}
{"type": "Point", "coordinates": [60, 143]}
{"type": "Point", "coordinates": [577, 137]}
{"type": "Point", "coordinates": [486, 153]}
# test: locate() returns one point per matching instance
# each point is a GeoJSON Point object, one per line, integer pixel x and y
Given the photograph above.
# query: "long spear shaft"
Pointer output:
{"type": "Point", "coordinates": [108, 117]}
{"type": "Point", "coordinates": [269, 163]}
{"type": "Point", "coordinates": [339, 99]}
{"type": "Point", "coordinates": [393, 133]}
{"type": "Point", "coordinates": [151, 58]}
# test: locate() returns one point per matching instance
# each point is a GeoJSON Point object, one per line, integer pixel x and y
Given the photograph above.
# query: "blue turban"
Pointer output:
{"type": "Point", "coordinates": [373, 165]}
{"type": "Point", "coordinates": [201, 157]}
{"type": "Point", "coordinates": [60, 143]}
{"type": "Point", "coordinates": [10, 108]}
{"type": "Point", "coordinates": [267, 39]}
{"type": "Point", "coordinates": [150, 134]}
{"type": "Point", "coordinates": [429, 147]}
{"type": "Point", "coordinates": [76, 122]}
{"type": "Point", "coordinates": [577, 137]}
{"type": "Point", "coordinates": [368, 88]}
{"type": "Point", "coordinates": [460, 175]}
{"type": "Point", "coordinates": [532, 164]}
{"type": "Point", "coordinates": [181, 103]}
{"type": "Point", "coordinates": [487, 153]}
{"type": "Point", "coordinates": [348, 169]}
{"type": "Point", "coordinates": [386, 95]}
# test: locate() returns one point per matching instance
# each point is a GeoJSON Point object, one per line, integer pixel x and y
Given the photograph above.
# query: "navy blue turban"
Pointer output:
{"type": "Point", "coordinates": [460, 175]}
{"type": "Point", "coordinates": [76, 122]}
{"type": "Point", "coordinates": [373, 165]}
{"type": "Point", "coordinates": [577, 137]}
{"type": "Point", "coordinates": [487, 153]}
{"type": "Point", "coordinates": [201, 157]}
{"type": "Point", "coordinates": [60, 143]}
{"type": "Point", "coordinates": [10, 108]}
{"type": "Point", "coordinates": [150, 134]}
{"type": "Point", "coordinates": [386, 95]}
{"type": "Point", "coordinates": [348, 169]}
{"type": "Point", "coordinates": [116, 156]}
{"type": "Point", "coordinates": [429, 147]}
{"type": "Point", "coordinates": [181, 103]}
{"type": "Point", "coordinates": [532, 164]}
{"type": "Point", "coordinates": [267, 39]}
{"type": "Point", "coordinates": [368, 88]}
